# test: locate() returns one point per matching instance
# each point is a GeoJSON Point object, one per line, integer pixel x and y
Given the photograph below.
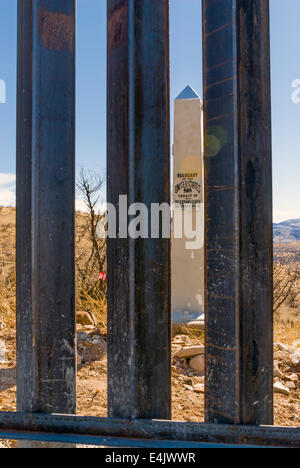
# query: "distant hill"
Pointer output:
{"type": "Point", "coordinates": [287, 231]}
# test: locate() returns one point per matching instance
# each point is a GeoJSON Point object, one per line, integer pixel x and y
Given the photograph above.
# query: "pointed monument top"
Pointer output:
{"type": "Point", "coordinates": [188, 93]}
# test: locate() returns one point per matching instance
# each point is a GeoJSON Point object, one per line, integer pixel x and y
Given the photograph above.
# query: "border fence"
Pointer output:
{"type": "Point", "coordinates": [238, 237]}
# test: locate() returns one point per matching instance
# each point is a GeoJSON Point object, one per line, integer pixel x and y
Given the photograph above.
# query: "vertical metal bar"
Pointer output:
{"type": "Point", "coordinates": [23, 209]}
{"type": "Point", "coordinates": [46, 351]}
{"type": "Point", "coordinates": [238, 198]}
{"type": "Point", "coordinates": [139, 167]}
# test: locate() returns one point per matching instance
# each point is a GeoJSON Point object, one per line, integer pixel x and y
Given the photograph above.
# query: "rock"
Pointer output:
{"type": "Point", "coordinates": [177, 344]}
{"type": "Point", "coordinates": [81, 336]}
{"type": "Point", "coordinates": [197, 363]}
{"type": "Point", "coordinates": [188, 381]}
{"type": "Point", "coordinates": [296, 359]}
{"type": "Point", "coordinates": [85, 318]}
{"type": "Point", "coordinates": [283, 347]}
{"type": "Point", "coordinates": [199, 388]}
{"type": "Point", "coordinates": [281, 356]}
{"type": "Point", "coordinates": [292, 378]}
{"type": "Point", "coordinates": [290, 385]}
{"type": "Point", "coordinates": [178, 370]}
{"type": "Point", "coordinates": [79, 362]}
{"type": "Point", "coordinates": [188, 387]}
{"type": "Point", "coordinates": [181, 339]}
{"type": "Point", "coordinates": [95, 339]}
{"type": "Point", "coordinates": [191, 351]}
{"type": "Point", "coordinates": [96, 346]}
{"type": "Point", "coordinates": [280, 388]}
{"type": "Point", "coordinates": [277, 371]}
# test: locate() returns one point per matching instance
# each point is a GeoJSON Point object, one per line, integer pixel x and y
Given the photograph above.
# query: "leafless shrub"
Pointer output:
{"type": "Point", "coordinates": [91, 250]}
{"type": "Point", "coordinates": [286, 276]}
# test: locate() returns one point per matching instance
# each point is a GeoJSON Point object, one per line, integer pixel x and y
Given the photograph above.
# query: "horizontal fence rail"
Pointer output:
{"type": "Point", "coordinates": [142, 433]}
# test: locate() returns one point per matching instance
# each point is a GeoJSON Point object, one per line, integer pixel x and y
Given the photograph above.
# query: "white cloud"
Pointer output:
{"type": "Point", "coordinates": [7, 189]}
{"type": "Point", "coordinates": [81, 206]}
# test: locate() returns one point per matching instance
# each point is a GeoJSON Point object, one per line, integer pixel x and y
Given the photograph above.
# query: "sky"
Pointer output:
{"type": "Point", "coordinates": [186, 68]}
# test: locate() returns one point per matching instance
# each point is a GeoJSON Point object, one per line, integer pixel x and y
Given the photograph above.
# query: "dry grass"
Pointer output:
{"type": "Point", "coordinates": [287, 325]}
{"type": "Point", "coordinates": [287, 318]}
{"type": "Point", "coordinates": [91, 292]}
{"type": "Point", "coordinates": [87, 301]}
{"type": "Point", "coordinates": [7, 267]}
{"type": "Point", "coordinates": [193, 333]}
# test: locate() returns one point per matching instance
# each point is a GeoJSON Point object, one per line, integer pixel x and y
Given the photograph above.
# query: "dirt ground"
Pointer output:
{"type": "Point", "coordinates": [91, 387]}
{"type": "Point", "coordinates": [187, 404]}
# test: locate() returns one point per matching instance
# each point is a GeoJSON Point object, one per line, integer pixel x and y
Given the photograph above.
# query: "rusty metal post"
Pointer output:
{"type": "Point", "coordinates": [23, 210]}
{"type": "Point", "coordinates": [238, 198]}
{"type": "Point", "coordinates": [46, 353]}
{"type": "Point", "coordinates": [139, 167]}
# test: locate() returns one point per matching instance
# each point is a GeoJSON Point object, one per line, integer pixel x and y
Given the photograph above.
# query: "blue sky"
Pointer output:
{"type": "Point", "coordinates": [186, 68]}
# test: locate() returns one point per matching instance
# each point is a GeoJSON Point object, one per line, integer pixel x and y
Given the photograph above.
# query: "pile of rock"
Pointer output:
{"type": "Point", "coordinates": [90, 347]}
{"type": "Point", "coordinates": [286, 368]}
{"type": "Point", "coordinates": [188, 358]}
{"type": "Point", "coordinates": [189, 361]}
{"type": "Point", "coordinates": [91, 344]}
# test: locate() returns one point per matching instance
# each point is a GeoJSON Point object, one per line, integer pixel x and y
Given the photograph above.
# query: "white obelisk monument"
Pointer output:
{"type": "Point", "coordinates": [188, 205]}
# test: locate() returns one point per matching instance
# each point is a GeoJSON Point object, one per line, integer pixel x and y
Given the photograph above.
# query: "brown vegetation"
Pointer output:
{"type": "Point", "coordinates": [90, 249]}
{"type": "Point", "coordinates": [286, 277]}
{"type": "Point", "coordinates": [90, 260]}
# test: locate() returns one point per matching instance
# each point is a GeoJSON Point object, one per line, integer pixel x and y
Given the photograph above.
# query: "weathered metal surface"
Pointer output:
{"type": "Point", "coordinates": [24, 209]}
{"type": "Point", "coordinates": [46, 353]}
{"type": "Point", "coordinates": [238, 201]}
{"type": "Point", "coordinates": [238, 236]}
{"type": "Point", "coordinates": [143, 433]}
{"type": "Point", "coordinates": [138, 166]}
{"type": "Point", "coordinates": [69, 440]}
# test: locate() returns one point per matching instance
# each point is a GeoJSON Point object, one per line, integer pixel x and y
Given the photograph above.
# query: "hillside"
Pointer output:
{"type": "Point", "coordinates": [287, 231]}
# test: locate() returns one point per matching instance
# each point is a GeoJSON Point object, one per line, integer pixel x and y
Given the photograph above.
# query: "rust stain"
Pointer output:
{"type": "Point", "coordinates": [117, 28]}
{"type": "Point", "coordinates": [56, 30]}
